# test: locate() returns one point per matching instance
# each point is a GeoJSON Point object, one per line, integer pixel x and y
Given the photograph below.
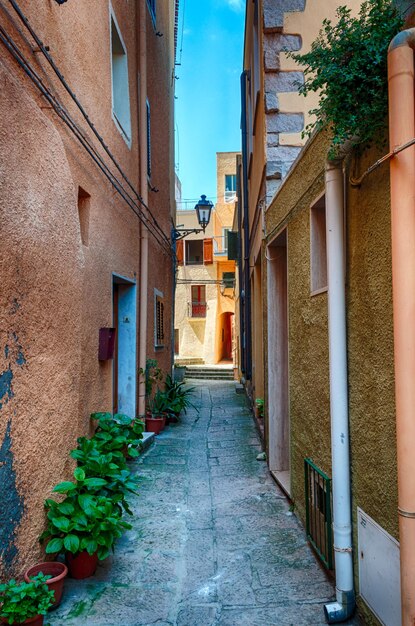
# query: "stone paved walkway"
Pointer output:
{"type": "Point", "coordinates": [213, 543]}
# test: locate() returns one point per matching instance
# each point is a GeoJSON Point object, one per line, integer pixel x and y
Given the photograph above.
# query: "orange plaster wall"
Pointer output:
{"type": "Point", "coordinates": [56, 292]}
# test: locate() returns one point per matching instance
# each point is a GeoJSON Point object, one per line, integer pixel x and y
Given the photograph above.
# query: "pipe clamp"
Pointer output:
{"type": "Point", "coordinates": [403, 513]}
{"type": "Point", "coordinates": [336, 549]}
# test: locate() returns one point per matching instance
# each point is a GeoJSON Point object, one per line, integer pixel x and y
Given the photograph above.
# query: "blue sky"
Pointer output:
{"type": "Point", "coordinates": [208, 92]}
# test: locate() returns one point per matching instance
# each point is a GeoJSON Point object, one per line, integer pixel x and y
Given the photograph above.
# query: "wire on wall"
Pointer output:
{"type": "Point", "coordinates": [45, 52]}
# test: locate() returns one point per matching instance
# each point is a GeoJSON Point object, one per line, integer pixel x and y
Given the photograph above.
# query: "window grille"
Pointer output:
{"type": "Point", "coordinates": [318, 512]}
{"type": "Point", "coordinates": [159, 322]}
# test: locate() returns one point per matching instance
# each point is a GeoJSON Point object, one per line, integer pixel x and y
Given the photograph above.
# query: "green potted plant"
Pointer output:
{"type": "Point", "coordinates": [118, 482]}
{"type": "Point", "coordinates": [153, 375]}
{"type": "Point", "coordinates": [156, 421]}
{"type": "Point", "coordinates": [25, 602]}
{"type": "Point", "coordinates": [118, 433]}
{"type": "Point", "coordinates": [179, 372]}
{"type": "Point", "coordinates": [85, 525]}
{"type": "Point", "coordinates": [178, 396]}
{"type": "Point", "coordinates": [55, 572]}
{"type": "Point", "coordinates": [259, 407]}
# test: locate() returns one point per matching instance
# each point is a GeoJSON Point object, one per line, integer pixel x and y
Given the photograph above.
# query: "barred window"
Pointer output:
{"type": "Point", "coordinates": [159, 320]}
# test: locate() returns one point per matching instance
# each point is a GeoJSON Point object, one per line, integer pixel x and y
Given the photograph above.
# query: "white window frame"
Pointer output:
{"type": "Point", "coordinates": [229, 196]}
{"type": "Point", "coordinates": [126, 133]}
{"type": "Point", "coordinates": [318, 246]}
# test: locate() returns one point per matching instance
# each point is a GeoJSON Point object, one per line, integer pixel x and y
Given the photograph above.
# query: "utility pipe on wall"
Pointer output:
{"type": "Point", "coordinates": [246, 248]}
{"type": "Point", "coordinates": [143, 304]}
{"type": "Point", "coordinates": [402, 177]}
{"type": "Point", "coordinates": [342, 526]}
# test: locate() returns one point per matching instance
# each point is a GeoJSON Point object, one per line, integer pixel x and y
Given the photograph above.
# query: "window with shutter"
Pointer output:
{"type": "Point", "coordinates": [194, 252]}
{"type": "Point", "coordinates": [180, 252]}
{"type": "Point", "coordinates": [207, 251]}
{"type": "Point", "coordinates": [232, 245]}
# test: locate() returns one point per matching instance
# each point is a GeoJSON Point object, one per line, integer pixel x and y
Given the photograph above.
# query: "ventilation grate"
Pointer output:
{"type": "Point", "coordinates": [318, 512]}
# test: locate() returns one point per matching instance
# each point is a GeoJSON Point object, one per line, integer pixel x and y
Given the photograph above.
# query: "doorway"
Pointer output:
{"type": "Point", "coordinates": [124, 298]}
{"type": "Point", "coordinates": [278, 399]}
{"type": "Point", "coordinates": [226, 352]}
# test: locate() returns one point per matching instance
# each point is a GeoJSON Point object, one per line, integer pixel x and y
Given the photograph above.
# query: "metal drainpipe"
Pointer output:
{"type": "Point", "coordinates": [241, 284]}
{"type": "Point", "coordinates": [144, 194]}
{"type": "Point", "coordinates": [402, 177]}
{"type": "Point", "coordinates": [247, 285]}
{"type": "Point", "coordinates": [344, 606]}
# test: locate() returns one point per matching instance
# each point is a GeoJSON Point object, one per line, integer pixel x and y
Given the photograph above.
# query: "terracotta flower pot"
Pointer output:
{"type": "Point", "coordinates": [57, 570]}
{"type": "Point", "coordinates": [37, 620]}
{"type": "Point", "coordinates": [81, 565]}
{"type": "Point", "coordinates": [155, 424]}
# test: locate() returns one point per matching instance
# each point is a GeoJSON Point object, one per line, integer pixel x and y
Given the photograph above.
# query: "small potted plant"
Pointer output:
{"type": "Point", "coordinates": [55, 572]}
{"type": "Point", "coordinates": [178, 396]}
{"type": "Point", "coordinates": [25, 602]}
{"type": "Point", "coordinates": [156, 421]}
{"type": "Point", "coordinates": [85, 525]}
{"type": "Point", "coordinates": [259, 408]}
{"type": "Point", "coordinates": [179, 372]}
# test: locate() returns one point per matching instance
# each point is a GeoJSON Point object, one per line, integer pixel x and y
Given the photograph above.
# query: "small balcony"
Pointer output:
{"type": "Point", "coordinates": [197, 309]}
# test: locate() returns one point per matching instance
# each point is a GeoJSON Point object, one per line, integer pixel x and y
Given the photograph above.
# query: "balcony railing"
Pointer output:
{"type": "Point", "coordinates": [197, 309]}
{"type": "Point", "coordinates": [220, 245]}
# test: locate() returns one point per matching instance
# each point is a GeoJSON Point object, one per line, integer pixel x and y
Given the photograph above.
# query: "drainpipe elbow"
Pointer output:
{"type": "Point", "coordinates": [404, 38]}
{"type": "Point", "coordinates": [342, 609]}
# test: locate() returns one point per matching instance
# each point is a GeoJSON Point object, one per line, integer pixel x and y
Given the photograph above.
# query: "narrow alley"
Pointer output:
{"type": "Point", "coordinates": [214, 541]}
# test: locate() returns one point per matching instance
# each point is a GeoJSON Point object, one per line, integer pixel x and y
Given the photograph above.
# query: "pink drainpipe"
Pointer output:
{"type": "Point", "coordinates": [402, 177]}
{"type": "Point", "coordinates": [143, 303]}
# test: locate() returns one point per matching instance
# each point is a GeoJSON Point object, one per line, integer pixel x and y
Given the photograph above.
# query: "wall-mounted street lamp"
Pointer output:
{"type": "Point", "coordinates": [203, 211]}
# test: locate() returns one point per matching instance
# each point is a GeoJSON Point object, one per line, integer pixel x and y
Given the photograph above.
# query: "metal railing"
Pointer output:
{"type": "Point", "coordinates": [220, 245]}
{"type": "Point", "coordinates": [197, 309]}
{"type": "Point", "coordinates": [318, 512]}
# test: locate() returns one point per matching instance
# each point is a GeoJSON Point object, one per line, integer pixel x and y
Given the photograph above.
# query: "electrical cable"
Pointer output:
{"type": "Point", "coordinates": [63, 114]}
{"type": "Point", "coordinates": [61, 78]}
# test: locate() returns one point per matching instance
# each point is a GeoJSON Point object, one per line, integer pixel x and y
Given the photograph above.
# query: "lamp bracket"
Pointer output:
{"type": "Point", "coordinates": [181, 233]}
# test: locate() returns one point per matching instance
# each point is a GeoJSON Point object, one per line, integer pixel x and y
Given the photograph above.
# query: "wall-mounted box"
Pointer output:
{"type": "Point", "coordinates": [106, 344]}
{"type": "Point", "coordinates": [379, 570]}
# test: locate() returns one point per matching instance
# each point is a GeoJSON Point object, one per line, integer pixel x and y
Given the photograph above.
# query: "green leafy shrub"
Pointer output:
{"type": "Point", "coordinates": [84, 520]}
{"type": "Point", "coordinates": [178, 396]}
{"type": "Point", "coordinates": [260, 406]}
{"type": "Point", "coordinates": [22, 601]}
{"type": "Point", "coordinates": [159, 404]}
{"type": "Point", "coordinates": [114, 478]}
{"type": "Point", "coordinates": [153, 375]}
{"type": "Point", "coordinates": [118, 433]}
{"type": "Point", "coordinates": [347, 65]}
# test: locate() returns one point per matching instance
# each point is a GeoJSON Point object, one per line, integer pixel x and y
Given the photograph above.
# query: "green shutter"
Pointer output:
{"type": "Point", "coordinates": [232, 245]}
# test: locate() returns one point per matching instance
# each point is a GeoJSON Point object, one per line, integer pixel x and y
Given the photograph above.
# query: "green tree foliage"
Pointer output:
{"type": "Point", "coordinates": [347, 65]}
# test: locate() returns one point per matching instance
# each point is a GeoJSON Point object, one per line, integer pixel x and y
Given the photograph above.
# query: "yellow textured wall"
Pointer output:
{"type": "Point", "coordinates": [307, 315]}
{"type": "Point", "coordinates": [369, 328]}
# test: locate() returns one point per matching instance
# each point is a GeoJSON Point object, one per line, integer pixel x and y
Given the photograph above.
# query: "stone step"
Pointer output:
{"type": "Point", "coordinates": [189, 361]}
{"type": "Point", "coordinates": [209, 373]}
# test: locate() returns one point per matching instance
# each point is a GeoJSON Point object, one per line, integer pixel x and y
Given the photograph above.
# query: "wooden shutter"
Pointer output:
{"type": "Point", "coordinates": [232, 245]}
{"type": "Point", "coordinates": [207, 251]}
{"type": "Point", "coordinates": [179, 252]}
